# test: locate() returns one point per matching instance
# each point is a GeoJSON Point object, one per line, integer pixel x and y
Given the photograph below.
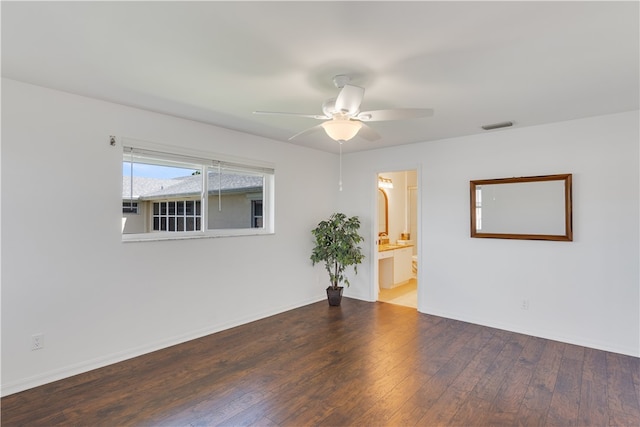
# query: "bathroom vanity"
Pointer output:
{"type": "Point", "coordinates": [394, 265]}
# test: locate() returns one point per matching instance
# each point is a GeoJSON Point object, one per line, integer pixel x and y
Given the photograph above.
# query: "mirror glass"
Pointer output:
{"type": "Point", "coordinates": [383, 212]}
{"type": "Point", "coordinates": [537, 208]}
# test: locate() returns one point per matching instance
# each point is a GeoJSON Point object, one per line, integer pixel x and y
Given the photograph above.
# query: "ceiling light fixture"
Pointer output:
{"type": "Point", "coordinates": [341, 129]}
{"type": "Point", "coordinates": [385, 182]}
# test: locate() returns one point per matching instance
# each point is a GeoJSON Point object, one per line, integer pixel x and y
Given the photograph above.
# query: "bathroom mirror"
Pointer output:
{"type": "Point", "coordinates": [383, 212]}
{"type": "Point", "coordinates": [530, 208]}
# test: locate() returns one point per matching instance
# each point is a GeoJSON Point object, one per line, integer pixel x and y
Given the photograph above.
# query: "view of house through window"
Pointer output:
{"type": "Point", "coordinates": [167, 193]}
{"type": "Point", "coordinates": [231, 197]}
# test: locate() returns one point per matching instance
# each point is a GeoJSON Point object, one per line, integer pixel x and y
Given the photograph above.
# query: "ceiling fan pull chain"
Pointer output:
{"type": "Point", "coordinates": [340, 182]}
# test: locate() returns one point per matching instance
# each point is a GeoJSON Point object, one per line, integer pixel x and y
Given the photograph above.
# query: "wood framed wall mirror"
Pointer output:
{"type": "Point", "coordinates": [528, 208]}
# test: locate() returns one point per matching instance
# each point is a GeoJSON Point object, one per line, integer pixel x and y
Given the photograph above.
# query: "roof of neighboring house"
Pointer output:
{"type": "Point", "coordinates": [156, 188]}
{"type": "Point", "coordinates": [143, 186]}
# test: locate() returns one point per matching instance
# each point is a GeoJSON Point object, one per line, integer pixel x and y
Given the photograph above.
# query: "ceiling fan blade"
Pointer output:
{"type": "Point", "coordinates": [349, 99]}
{"type": "Point", "coordinates": [278, 113]}
{"type": "Point", "coordinates": [394, 114]}
{"type": "Point", "coordinates": [307, 131]}
{"type": "Point", "coordinates": [368, 133]}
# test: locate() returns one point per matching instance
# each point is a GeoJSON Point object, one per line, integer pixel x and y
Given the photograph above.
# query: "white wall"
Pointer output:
{"type": "Point", "coordinates": [584, 292]}
{"type": "Point", "coordinates": [66, 272]}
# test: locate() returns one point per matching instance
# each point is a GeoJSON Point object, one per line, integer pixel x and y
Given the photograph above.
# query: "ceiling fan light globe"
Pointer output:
{"type": "Point", "coordinates": [341, 130]}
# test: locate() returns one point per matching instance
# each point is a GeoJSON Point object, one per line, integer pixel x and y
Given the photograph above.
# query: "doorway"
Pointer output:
{"type": "Point", "coordinates": [397, 250]}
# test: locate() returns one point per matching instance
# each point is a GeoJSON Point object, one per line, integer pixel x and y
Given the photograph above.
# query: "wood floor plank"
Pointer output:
{"type": "Point", "coordinates": [476, 356]}
{"type": "Point", "coordinates": [565, 403]}
{"type": "Point", "coordinates": [593, 392]}
{"type": "Point", "coordinates": [536, 402]}
{"type": "Point", "coordinates": [489, 385]}
{"type": "Point", "coordinates": [361, 364]}
{"type": "Point", "coordinates": [366, 390]}
{"type": "Point", "coordinates": [381, 412]}
{"type": "Point", "coordinates": [506, 405]}
{"type": "Point", "coordinates": [635, 374]}
{"type": "Point", "coordinates": [449, 363]}
{"type": "Point", "coordinates": [472, 411]}
{"type": "Point", "coordinates": [621, 397]}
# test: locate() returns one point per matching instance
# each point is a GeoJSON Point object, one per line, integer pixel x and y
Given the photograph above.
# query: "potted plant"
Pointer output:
{"type": "Point", "coordinates": [336, 244]}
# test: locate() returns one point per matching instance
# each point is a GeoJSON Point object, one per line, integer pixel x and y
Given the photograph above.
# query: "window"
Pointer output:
{"type": "Point", "coordinates": [179, 195]}
{"type": "Point", "coordinates": [256, 213]}
{"type": "Point", "coordinates": [181, 215]}
{"type": "Point", "coordinates": [129, 207]}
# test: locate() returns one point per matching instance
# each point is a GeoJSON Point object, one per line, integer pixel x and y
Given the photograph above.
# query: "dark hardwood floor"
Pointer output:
{"type": "Point", "coordinates": [361, 364]}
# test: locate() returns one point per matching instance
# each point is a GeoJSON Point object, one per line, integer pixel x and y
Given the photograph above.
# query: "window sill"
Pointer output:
{"type": "Point", "coordinates": [159, 236]}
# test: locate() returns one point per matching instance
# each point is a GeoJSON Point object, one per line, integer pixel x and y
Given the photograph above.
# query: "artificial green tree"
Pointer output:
{"type": "Point", "coordinates": [336, 244]}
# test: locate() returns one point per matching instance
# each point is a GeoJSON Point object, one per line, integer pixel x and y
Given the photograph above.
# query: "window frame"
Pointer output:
{"type": "Point", "coordinates": [170, 155]}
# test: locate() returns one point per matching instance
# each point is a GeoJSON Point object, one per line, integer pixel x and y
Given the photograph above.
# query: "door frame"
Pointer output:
{"type": "Point", "coordinates": [374, 288]}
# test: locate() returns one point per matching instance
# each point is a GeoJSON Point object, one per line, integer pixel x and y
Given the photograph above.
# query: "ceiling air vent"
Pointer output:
{"type": "Point", "coordinates": [497, 125]}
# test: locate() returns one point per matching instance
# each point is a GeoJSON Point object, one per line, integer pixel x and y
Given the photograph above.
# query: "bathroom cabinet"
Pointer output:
{"type": "Point", "coordinates": [394, 266]}
{"type": "Point", "coordinates": [402, 265]}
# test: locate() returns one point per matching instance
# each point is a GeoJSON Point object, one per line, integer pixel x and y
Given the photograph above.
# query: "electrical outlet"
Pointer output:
{"type": "Point", "coordinates": [37, 341]}
{"type": "Point", "coordinates": [525, 304]}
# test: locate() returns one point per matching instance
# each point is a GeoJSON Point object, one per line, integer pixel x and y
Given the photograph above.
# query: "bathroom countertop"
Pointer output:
{"type": "Point", "coordinates": [390, 247]}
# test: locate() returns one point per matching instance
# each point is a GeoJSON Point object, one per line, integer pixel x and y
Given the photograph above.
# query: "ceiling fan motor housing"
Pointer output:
{"type": "Point", "coordinates": [340, 80]}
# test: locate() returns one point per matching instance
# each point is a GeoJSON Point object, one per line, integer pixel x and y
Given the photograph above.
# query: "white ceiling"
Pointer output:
{"type": "Point", "coordinates": [474, 63]}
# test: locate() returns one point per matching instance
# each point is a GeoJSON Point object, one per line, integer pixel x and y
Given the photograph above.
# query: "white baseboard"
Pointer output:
{"type": "Point", "coordinates": [540, 333]}
{"type": "Point", "coordinates": [100, 362]}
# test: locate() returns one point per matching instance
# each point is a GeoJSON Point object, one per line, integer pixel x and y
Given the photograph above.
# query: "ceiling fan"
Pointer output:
{"type": "Point", "coordinates": [343, 119]}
